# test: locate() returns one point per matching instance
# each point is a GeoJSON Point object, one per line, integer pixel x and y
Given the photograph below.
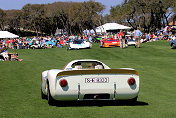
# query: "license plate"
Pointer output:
{"type": "Point", "coordinates": [97, 80]}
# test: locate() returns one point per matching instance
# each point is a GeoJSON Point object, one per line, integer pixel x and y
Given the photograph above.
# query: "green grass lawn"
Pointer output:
{"type": "Point", "coordinates": [155, 61]}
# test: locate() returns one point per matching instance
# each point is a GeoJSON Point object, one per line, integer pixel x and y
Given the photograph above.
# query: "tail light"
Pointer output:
{"type": "Point", "coordinates": [63, 83]}
{"type": "Point", "coordinates": [131, 81]}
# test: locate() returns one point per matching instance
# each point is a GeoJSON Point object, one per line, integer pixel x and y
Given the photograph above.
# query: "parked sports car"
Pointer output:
{"type": "Point", "coordinates": [109, 42]}
{"type": "Point", "coordinates": [79, 44]}
{"type": "Point", "coordinates": [36, 44]}
{"type": "Point", "coordinates": [51, 43]}
{"type": "Point", "coordinates": [89, 80]}
{"type": "Point", "coordinates": [131, 42]}
{"type": "Point", "coordinates": [173, 43]}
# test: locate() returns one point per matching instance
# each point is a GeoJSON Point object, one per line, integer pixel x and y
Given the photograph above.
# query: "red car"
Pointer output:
{"type": "Point", "coordinates": [109, 42]}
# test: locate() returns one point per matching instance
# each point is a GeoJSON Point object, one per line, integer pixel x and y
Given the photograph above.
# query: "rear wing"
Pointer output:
{"type": "Point", "coordinates": [97, 71]}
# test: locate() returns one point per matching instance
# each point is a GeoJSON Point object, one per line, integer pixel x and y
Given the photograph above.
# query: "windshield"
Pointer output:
{"type": "Point", "coordinates": [77, 41]}
{"type": "Point", "coordinates": [87, 65]}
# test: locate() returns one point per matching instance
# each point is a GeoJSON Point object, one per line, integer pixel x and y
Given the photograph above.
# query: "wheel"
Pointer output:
{"type": "Point", "coordinates": [33, 47]}
{"type": "Point", "coordinates": [133, 100]}
{"type": "Point", "coordinates": [68, 48]}
{"type": "Point", "coordinates": [173, 46]}
{"type": "Point", "coordinates": [51, 101]}
{"type": "Point", "coordinates": [43, 96]}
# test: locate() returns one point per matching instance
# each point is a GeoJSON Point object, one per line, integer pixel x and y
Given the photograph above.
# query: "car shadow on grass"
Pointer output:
{"type": "Point", "coordinates": [98, 103]}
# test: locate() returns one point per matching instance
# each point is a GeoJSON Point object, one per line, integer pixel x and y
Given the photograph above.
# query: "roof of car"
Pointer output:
{"type": "Point", "coordinates": [86, 60]}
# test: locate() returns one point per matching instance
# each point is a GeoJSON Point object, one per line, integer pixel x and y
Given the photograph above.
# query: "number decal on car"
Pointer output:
{"type": "Point", "coordinates": [97, 80]}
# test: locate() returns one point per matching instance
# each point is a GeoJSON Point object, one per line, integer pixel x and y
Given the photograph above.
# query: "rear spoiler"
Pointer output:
{"type": "Point", "coordinates": [97, 71]}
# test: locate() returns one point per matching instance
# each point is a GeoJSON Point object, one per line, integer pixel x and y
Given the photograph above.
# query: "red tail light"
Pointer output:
{"type": "Point", "coordinates": [131, 81]}
{"type": "Point", "coordinates": [63, 83]}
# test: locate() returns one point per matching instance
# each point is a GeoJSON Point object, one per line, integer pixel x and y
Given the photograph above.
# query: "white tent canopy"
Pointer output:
{"type": "Point", "coordinates": [6, 34]}
{"type": "Point", "coordinates": [111, 26]}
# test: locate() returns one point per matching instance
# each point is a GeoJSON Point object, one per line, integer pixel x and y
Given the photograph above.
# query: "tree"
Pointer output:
{"type": "Point", "coordinates": [148, 14]}
{"type": "Point", "coordinates": [13, 20]}
{"type": "Point", "coordinates": [73, 17]}
{"type": "Point", "coordinates": [2, 19]}
{"type": "Point", "coordinates": [33, 17]}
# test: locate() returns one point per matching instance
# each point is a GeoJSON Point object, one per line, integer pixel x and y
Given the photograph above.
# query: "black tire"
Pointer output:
{"type": "Point", "coordinates": [133, 100]}
{"type": "Point", "coordinates": [68, 48]}
{"type": "Point", "coordinates": [43, 96]}
{"type": "Point", "coordinates": [51, 101]}
{"type": "Point", "coordinates": [33, 47]}
{"type": "Point", "coordinates": [173, 46]}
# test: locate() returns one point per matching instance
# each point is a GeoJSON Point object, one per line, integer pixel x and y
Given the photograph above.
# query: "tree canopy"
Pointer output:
{"type": "Point", "coordinates": [147, 14]}
{"type": "Point", "coordinates": [73, 17]}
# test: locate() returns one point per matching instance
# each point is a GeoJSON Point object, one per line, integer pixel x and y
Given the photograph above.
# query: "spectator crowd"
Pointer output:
{"type": "Point", "coordinates": [167, 33]}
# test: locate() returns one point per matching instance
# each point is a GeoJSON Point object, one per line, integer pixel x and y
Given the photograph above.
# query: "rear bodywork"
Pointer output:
{"type": "Point", "coordinates": [99, 84]}
{"type": "Point", "coordinates": [79, 44]}
{"type": "Point", "coordinates": [109, 43]}
{"type": "Point", "coordinates": [131, 42]}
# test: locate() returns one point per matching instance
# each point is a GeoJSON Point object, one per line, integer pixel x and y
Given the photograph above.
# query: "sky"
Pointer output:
{"type": "Point", "coordinates": [18, 4]}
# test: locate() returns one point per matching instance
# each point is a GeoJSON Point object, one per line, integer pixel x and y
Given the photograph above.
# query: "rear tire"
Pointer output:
{"type": "Point", "coordinates": [51, 101]}
{"type": "Point", "coordinates": [68, 48]}
{"type": "Point", "coordinates": [173, 46]}
{"type": "Point", "coordinates": [43, 96]}
{"type": "Point", "coordinates": [133, 100]}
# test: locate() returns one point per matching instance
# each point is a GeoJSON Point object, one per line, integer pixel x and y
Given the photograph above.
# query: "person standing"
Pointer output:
{"type": "Point", "coordinates": [90, 38]}
{"type": "Point", "coordinates": [137, 37]}
{"type": "Point", "coordinates": [122, 41]}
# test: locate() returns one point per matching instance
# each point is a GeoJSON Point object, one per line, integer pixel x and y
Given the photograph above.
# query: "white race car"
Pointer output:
{"type": "Point", "coordinates": [131, 42]}
{"type": "Point", "coordinates": [89, 80]}
{"type": "Point", "coordinates": [79, 44]}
